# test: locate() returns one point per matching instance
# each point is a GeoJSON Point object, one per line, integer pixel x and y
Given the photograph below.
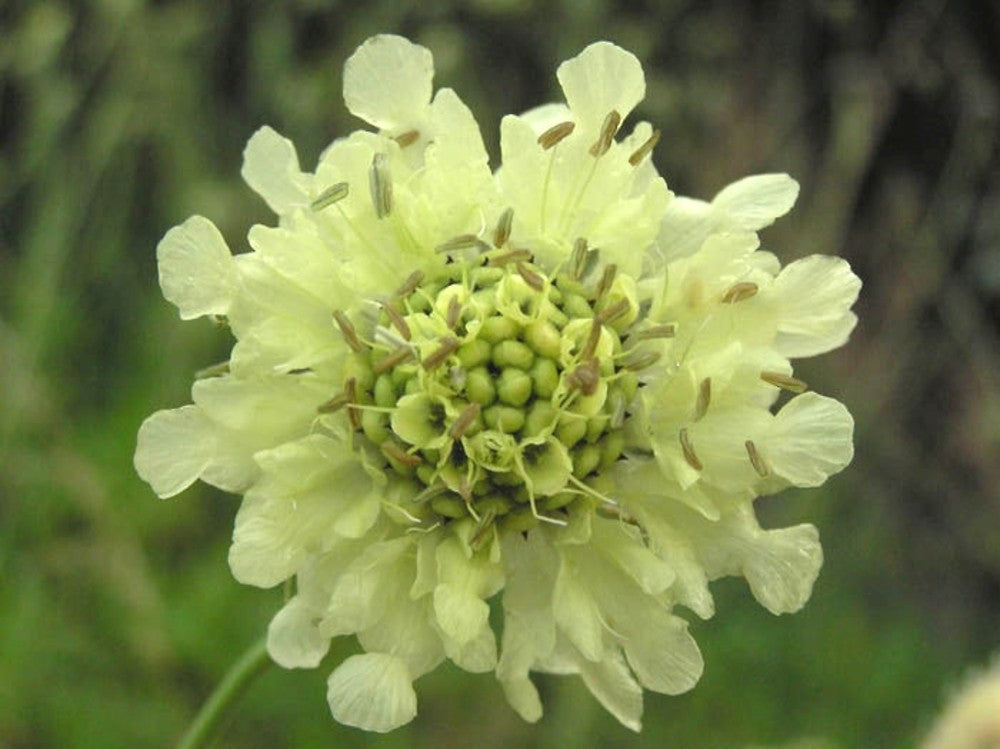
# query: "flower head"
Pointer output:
{"type": "Point", "coordinates": [548, 389]}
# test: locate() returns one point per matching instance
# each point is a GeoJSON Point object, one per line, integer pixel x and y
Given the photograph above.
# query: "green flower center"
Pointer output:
{"type": "Point", "coordinates": [497, 389]}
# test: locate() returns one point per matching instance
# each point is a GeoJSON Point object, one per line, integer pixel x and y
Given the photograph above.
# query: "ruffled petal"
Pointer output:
{"type": "Point", "coordinates": [388, 82]}
{"type": "Point", "coordinates": [293, 639]}
{"type": "Point", "coordinates": [173, 448]}
{"type": "Point", "coordinates": [611, 683]}
{"type": "Point", "coordinates": [602, 78]}
{"type": "Point", "coordinates": [755, 202]}
{"type": "Point", "coordinates": [810, 440]}
{"type": "Point", "coordinates": [197, 272]}
{"type": "Point", "coordinates": [271, 169]}
{"type": "Point", "coordinates": [373, 692]}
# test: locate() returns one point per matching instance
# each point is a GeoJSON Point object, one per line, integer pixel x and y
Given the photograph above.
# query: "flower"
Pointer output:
{"type": "Point", "coordinates": [545, 390]}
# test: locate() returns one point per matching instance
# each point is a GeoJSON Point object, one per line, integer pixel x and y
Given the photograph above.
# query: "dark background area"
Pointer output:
{"type": "Point", "coordinates": [120, 118]}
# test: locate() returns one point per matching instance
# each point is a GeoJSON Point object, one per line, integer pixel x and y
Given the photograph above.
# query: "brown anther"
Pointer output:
{"type": "Point", "coordinates": [336, 403]}
{"type": "Point", "coordinates": [410, 284]}
{"type": "Point", "coordinates": [400, 355]}
{"type": "Point", "coordinates": [668, 330]}
{"type": "Point", "coordinates": [607, 136]}
{"type": "Point", "coordinates": [461, 242]}
{"type": "Point", "coordinates": [392, 451]}
{"type": "Point", "coordinates": [380, 185]}
{"type": "Point", "coordinates": [739, 291]}
{"type": "Point", "coordinates": [607, 278]}
{"type": "Point", "coordinates": [513, 256]}
{"type": "Point", "coordinates": [353, 414]}
{"type": "Point", "coordinates": [585, 377]}
{"type": "Point", "coordinates": [397, 321]}
{"type": "Point", "coordinates": [555, 134]}
{"type": "Point", "coordinates": [453, 313]}
{"type": "Point", "coordinates": [642, 360]}
{"type": "Point", "coordinates": [330, 195]}
{"type": "Point", "coordinates": [593, 337]}
{"type": "Point", "coordinates": [464, 421]}
{"type": "Point", "coordinates": [215, 370]}
{"type": "Point", "coordinates": [644, 150]}
{"type": "Point", "coordinates": [531, 278]}
{"type": "Point", "coordinates": [578, 260]}
{"type": "Point", "coordinates": [436, 359]}
{"type": "Point", "coordinates": [756, 460]}
{"type": "Point", "coordinates": [688, 449]}
{"type": "Point", "coordinates": [407, 139]}
{"type": "Point", "coordinates": [704, 398]}
{"type": "Point", "coordinates": [785, 382]}
{"type": "Point", "coordinates": [347, 330]}
{"type": "Point", "coordinates": [613, 312]}
{"type": "Point", "coordinates": [502, 233]}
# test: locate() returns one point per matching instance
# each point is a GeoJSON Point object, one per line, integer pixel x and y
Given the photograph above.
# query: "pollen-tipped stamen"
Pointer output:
{"type": "Point", "coordinates": [555, 134]}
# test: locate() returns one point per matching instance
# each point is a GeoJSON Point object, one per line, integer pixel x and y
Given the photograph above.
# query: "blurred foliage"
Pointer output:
{"type": "Point", "coordinates": [119, 118]}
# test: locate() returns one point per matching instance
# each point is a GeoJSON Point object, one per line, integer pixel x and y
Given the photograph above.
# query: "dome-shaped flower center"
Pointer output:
{"type": "Point", "coordinates": [496, 388]}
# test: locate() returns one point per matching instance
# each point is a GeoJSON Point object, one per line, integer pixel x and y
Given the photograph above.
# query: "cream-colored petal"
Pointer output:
{"type": "Point", "coordinates": [611, 683]}
{"type": "Point", "coordinates": [783, 567]}
{"type": "Point", "coordinates": [197, 272]}
{"type": "Point", "coordinates": [810, 440]}
{"type": "Point", "coordinates": [814, 297]}
{"type": "Point", "coordinates": [459, 614]}
{"type": "Point", "coordinates": [388, 82]}
{"type": "Point", "coordinates": [293, 639]}
{"type": "Point", "coordinates": [373, 692]}
{"type": "Point", "coordinates": [602, 78]}
{"type": "Point", "coordinates": [755, 202]}
{"type": "Point", "coordinates": [662, 653]}
{"type": "Point", "coordinates": [546, 116]}
{"type": "Point", "coordinates": [271, 169]}
{"type": "Point", "coordinates": [173, 448]}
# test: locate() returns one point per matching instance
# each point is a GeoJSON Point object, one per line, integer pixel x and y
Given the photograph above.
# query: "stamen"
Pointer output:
{"type": "Point", "coordinates": [531, 278]}
{"type": "Point", "coordinates": [592, 339]}
{"type": "Point", "coordinates": [461, 242]}
{"type": "Point", "coordinates": [214, 370]}
{"type": "Point", "coordinates": [436, 359]}
{"type": "Point", "coordinates": [688, 449]}
{"type": "Point", "coordinates": [555, 134]}
{"type": "Point", "coordinates": [398, 356]}
{"type": "Point", "coordinates": [668, 330]}
{"type": "Point", "coordinates": [410, 284]}
{"type": "Point", "coordinates": [608, 278]}
{"type": "Point", "coordinates": [336, 403]}
{"type": "Point", "coordinates": [347, 330]}
{"type": "Point", "coordinates": [464, 421]}
{"type": "Point", "coordinates": [454, 312]}
{"type": "Point", "coordinates": [579, 259]}
{"type": "Point", "coordinates": [502, 233]}
{"type": "Point", "coordinates": [392, 451]}
{"type": "Point", "coordinates": [435, 490]}
{"type": "Point", "coordinates": [514, 256]}
{"type": "Point", "coordinates": [704, 398]}
{"type": "Point", "coordinates": [585, 377]}
{"type": "Point", "coordinates": [756, 460]}
{"type": "Point", "coordinates": [739, 291]}
{"type": "Point", "coordinates": [397, 321]}
{"type": "Point", "coordinates": [613, 312]}
{"type": "Point", "coordinates": [353, 414]}
{"type": "Point", "coordinates": [330, 196]}
{"type": "Point", "coordinates": [408, 138]}
{"type": "Point", "coordinates": [642, 360]}
{"type": "Point", "coordinates": [785, 382]}
{"type": "Point", "coordinates": [481, 529]}
{"type": "Point", "coordinates": [607, 136]}
{"type": "Point", "coordinates": [644, 150]}
{"type": "Point", "coordinates": [380, 184]}
{"type": "Point", "coordinates": [616, 399]}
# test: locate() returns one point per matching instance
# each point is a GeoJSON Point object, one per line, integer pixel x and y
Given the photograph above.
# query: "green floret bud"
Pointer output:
{"type": "Point", "coordinates": [512, 354]}
{"type": "Point", "coordinates": [496, 329]}
{"type": "Point", "coordinates": [585, 460]}
{"type": "Point", "coordinates": [544, 377]}
{"type": "Point", "coordinates": [571, 430]}
{"type": "Point", "coordinates": [539, 418]}
{"type": "Point", "coordinates": [505, 419]}
{"type": "Point", "coordinates": [385, 391]}
{"type": "Point", "coordinates": [473, 353]}
{"type": "Point", "coordinates": [479, 387]}
{"type": "Point", "coordinates": [514, 386]}
{"type": "Point", "coordinates": [543, 337]}
{"type": "Point", "coordinates": [375, 425]}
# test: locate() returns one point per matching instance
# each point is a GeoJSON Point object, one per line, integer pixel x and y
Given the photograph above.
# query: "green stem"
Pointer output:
{"type": "Point", "coordinates": [250, 665]}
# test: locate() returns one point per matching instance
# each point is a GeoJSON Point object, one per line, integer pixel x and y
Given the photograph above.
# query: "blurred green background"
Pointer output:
{"type": "Point", "coordinates": [120, 118]}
